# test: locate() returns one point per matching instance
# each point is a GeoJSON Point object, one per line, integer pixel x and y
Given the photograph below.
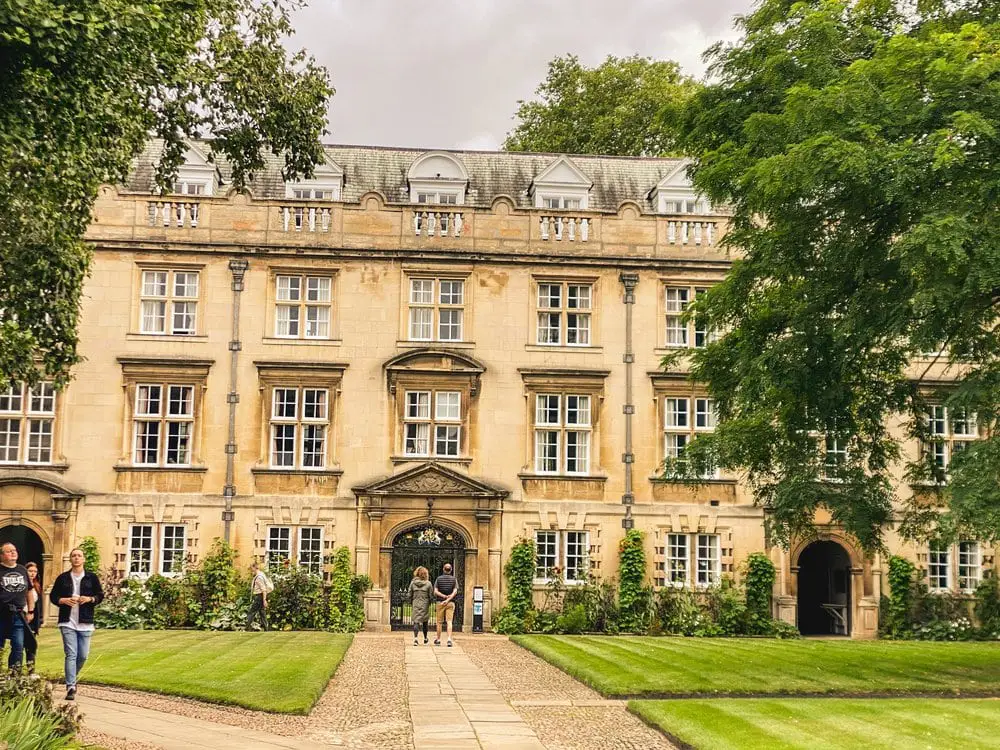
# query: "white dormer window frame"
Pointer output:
{"type": "Point", "coordinates": [569, 200]}
{"type": "Point", "coordinates": [675, 202]}
{"type": "Point", "coordinates": [561, 186]}
{"type": "Point", "coordinates": [437, 178]}
{"type": "Point", "coordinates": [435, 196]}
{"type": "Point", "coordinates": [314, 190]}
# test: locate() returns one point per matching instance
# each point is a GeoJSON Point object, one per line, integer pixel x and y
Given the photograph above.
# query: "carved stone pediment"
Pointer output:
{"type": "Point", "coordinates": [430, 480]}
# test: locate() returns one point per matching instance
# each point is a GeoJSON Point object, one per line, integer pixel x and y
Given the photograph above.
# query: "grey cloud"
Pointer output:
{"type": "Point", "coordinates": [448, 73]}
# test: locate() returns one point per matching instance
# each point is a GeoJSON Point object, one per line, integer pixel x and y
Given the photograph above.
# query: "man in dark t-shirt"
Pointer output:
{"type": "Point", "coordinates": [14, 584]}
{"type": "Point", "coordinates": [445, 590]}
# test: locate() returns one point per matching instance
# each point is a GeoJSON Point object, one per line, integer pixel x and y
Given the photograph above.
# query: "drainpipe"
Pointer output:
{"type": "Point", "coordinates": [629, 280]}
{"type": "Point", "coordinates": [238, 267]}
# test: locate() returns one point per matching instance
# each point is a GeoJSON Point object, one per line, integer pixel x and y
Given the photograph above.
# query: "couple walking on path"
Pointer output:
{"type": "Point", "coordinates": [422, 593]}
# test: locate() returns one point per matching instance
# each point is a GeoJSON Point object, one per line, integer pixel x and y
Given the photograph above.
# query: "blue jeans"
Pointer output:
{"type": "Point", "coordinates": [76, 644]}
{"type": "Point", "coordinates": [12, 629]}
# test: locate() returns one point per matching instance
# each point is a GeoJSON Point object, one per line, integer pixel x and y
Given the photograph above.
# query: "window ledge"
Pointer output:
{"type": "Point", "coordinates": [296, 472]}
{"type": "Point", "coordinates": [692, 482]}
{"type": "Point", "coordinates": [396, 460]}
{"type": "Point", "coordinates": [407, 344]}
{"type": "Point", "coordinates": [171, 337]}
{"type": "Point", "coordinates": [60, 467]}
{"type": "Point", "coordinates": [128, 468]}
{"type": "Point", "coordinates": [563, 348]}
{"type": "Point", "coordinates": [565, 477]}
{"type": "Point", "coordinates": [280, 341]}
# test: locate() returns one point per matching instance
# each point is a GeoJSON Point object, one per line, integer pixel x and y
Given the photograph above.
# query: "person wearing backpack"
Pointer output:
{"type": "Point", "coordinates": [260, 587]}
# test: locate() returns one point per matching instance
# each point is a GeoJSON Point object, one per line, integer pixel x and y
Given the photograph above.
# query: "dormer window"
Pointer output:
{"type": "Point", "coordinates": [450, 199]}
{"type": "Point", "coordinates": [686, 205]}
{"type": "Point", "coordinates": [313, 194]}
{"type": "Point", "coordinates": [675, 195]}
{"type": "Point", "coordinates": [189, 187]}
{"type": "Point", "coordinates": [438, 178]}
{"type": "Point", "coordinates": [561, 186]}
{"type": "Point", "coordinates": [325, 185]}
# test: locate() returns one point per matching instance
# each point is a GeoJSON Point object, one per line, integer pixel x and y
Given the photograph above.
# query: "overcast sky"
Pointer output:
{"type": "Point", "coordinates": [448, 73]}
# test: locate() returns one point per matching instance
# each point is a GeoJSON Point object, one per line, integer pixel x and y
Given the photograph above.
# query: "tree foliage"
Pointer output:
{"type": "Point", "coordinates": [84, 84]}
{"type": "Point", "coordinates": [613, 108]}
{"type": "Point", "coordinates": [858, 144]}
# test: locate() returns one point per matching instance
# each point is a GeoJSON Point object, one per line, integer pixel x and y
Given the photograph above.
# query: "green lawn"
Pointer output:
{"type": "Point", "coordinates": [830, 723]}
{"type": "Point", "coordinates": [654, 667]}
{"type": "Point", "coordinates": [282, 672]}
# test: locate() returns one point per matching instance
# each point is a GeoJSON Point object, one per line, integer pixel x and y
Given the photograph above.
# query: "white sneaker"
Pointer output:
{"type": "Point", "coordinates": [449, 643]}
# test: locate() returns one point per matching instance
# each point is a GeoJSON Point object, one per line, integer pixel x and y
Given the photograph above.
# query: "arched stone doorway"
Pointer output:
{"type": "Point", "coordinates": [30, 547]}
{"type": "Point", "coordinates": [429, 545]}
{"type": "Point", "coordinates": [824, 590]}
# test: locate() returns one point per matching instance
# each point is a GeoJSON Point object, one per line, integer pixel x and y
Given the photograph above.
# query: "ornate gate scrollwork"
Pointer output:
{"type": "Point", "coordinates": [431, 546]}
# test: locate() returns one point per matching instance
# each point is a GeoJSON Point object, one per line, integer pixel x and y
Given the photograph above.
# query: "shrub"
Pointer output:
{"type": "Point", "coordinates": [297, 599]}
{"type": "Point", "coordinates": [726, 610]}
{"type": "Point", "coordinates": [30, 719]}
{"type": "Point", "coordinates": [211, 584]}
{"type": "Point", "coordinates": [573, 620]}
{"type": "Point", "coordinates": [91, 554]}
{"type": "Point", "coordinates": [677, 611]}
{"type": "Point", "coordinates": [127, 604]}
{"type": "Point", "coordinates": [599, 600]}
{"type": "Point", "coordinates": [633, 597]}
{"type": "Point", "coordinates": [758, 580]}
{"type": "Point", "coordinates": [987, 606]}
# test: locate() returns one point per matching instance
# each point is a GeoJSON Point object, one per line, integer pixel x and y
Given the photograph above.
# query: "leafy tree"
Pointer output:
{"type": "Point", "coordinates": [611, 109]}
{"type": "Point", "coordinates": [83, 86]}
{"type": "Point", "coordinates": [858, 144]}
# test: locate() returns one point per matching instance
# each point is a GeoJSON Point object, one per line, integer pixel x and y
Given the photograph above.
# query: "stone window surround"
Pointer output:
{"type": "Point", "coordinates": [277, 374]}
{"type": "Point", "coordinates": [157, 534]}
{"type": "Point", "coordinates": [459, 273]}
{"type": "Point", "coordinates": [692, 527]}
{"type": "Point", "coordinates": [540, 381]}
{"type": "Point", "coordinates": [467, 387]}
{"type": "Point", "coordinates": [135, 314]}
{"type": "Point", "coordinates": [168, 371]}
{"type": "Point", "coordinates": [57, 460]}
{"type": "Point", "coordinates": [270, 331]}
{"type": "Point", "coordinates": [691, 284]}
{"type": "Point", "coordinates": [565, 280]}
{"type": "Point", "coordinates": [675, 385]}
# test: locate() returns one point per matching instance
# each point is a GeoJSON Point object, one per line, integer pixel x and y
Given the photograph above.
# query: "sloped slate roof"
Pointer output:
{"type": "Point", "coordinates": [491, 174]}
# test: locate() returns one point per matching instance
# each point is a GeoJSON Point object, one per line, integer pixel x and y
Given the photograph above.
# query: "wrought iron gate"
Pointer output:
{"type": "Point", "coordinates": [432, 547]}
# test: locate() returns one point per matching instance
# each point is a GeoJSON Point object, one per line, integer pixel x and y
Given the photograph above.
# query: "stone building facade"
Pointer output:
{"type": "Point", "coordinates": [424, 356]}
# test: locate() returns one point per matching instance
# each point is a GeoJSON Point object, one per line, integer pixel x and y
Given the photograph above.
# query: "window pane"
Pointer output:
{"type": "Point", "coordinates": [421, 323]}
{"type": "Point", "coordinates": [147, 403]}
{"type": "Point", "coordinates": [577, 452]}
{"type": "Point", "coordinates": [708, 559]}
{"type": "Point", "coordinates": [446, 440]}
{"type": "Point", "coordinates": [677, 299]}
{"type": "Point", "coordinates": [283, 445]}
{"type": "Point", "coordinates": [285, 403]}
{"type": "Point", "coordinates": [416, 439]}
{"type": "Point", "coordinates": [289, 288]}
{"type": "Point", "coordinates": [549, 296]}
{"type": "Point", "coordinates": [311, 549]}
{"type": "Point", "coordinates": [314, 403]}
{"type": "Point", "coordinates": [313, 446]}
{"type": "Point", "coordinates": [317, 322]}
{"type": "Point", "coordinates": [674, 446]}
{"type": "Point", "coordinates": [937, 421]}
{"type": "Point", "coordinates": [578, 329]}
{"type": "Point", "coordinates": [418, 405]}
{"type": "Point", "coordinates": [154, 316]}
{"type": "Point", "coordinates": [546, 552]}
{"type": "Point", "coordinates": [10, 399]}
{"type": "Point", "coordinates": [318, 288]}
{"type": "Point", "coordinates": [172, 560]}
{"type": "Point", "coordinates": [286, 320]}
{"type": "Point", "coordinates": [10, 440]}
{"type": "Point", "coordinates": [39, 441]}
{"type": "Point", "coordinates": [452, 292]}
{"type": "Point", "coordinates": [578, 297]}
{"type": "Point", "coordinates": [140, 550]}
{"type": "Point", "coordinates": [42, 399]}
{"type": "Point", "coordinates": [547, 451]}
{"type": "Point", "coordinates": [969, 566]}
{"type": "Point", "coordinates": [577, 547]}
{"type": "Point", "coordinates": [147, 443]}
{"type": "Point", "coordinates": [185, 284]}
{"type": "Point", "coordinates": [154, 283]}
{"type": "Point", "coordinates": [677, 559]}
{"type": "Point", "coordinates": [548, 328]}
{"type": "Point", "coordinates": [677, 331]}
{"type": "Point", "coordinates": [547, 409]}
{"type": "Point", "coordinates": [448, 405]}
{"type": "Point", "coordinates": [180, 401]}
{"type": "Point", "coordinates": [676, 413]}
{"type": "Point", "coordinates": [422, 291]}
{"type": "Point", "coordinates": [704, 414]}
{"type": "Point", "coordinates": [183, 323]}
{"type": "Point", "coordinates": [578, 410]}
{"type": "Point", "coordinates": [179, 443]}
{"type": "Point", "coordinates": [279, 545]}
{"type": "Point", "coordinates": [938, 563]}
{"type": "Point", "coordinates": [450, 328]}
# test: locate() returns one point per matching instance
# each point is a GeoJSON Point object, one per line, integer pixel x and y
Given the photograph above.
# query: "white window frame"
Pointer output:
{"type": "Point", "coordinates": [677, 333]}
{"type": "Point", "coordinates": [164, 421]}
{"type": "Point", "coordinates": [166, 566]}
{"type": "Point", "coordinates": [677, 559]}
{"type": "Point", "coordinates": [682, 204]}
{"type": "Point", "coordinates": [172, 302]}
{"type": "Point", "coordinates": [941, 422]}
{"type": "Point", "coordinates": [273, 552]}
{"type": "Point", "coordinates": [141, 556]}
{"type": "Point", "coordinates": [681, 414]}
{"type": "Point", "coordinates": [564, 429]}
{"type": "Point", "coordinates": [436, 197]}
{"type": "Point", "coordinates": [969, 570]}
{"type": "Point", "coordinates": [300, 425]}
{"type": "Point", "coordinates": [550, 201]}
{"type": "Point", "coordinates": [568, 550]}
{"type": "Point", "coordinates": [303, 306]}
{"type": "Point", "coordinates": [564, 313]}
{"type": "Point", "coordinates": [436, 421]}
{"type": "Point", "coordinates": [709, 574]}
{"type": "Point", "coordinates": [29, 419]}
{"type": "Point", "coordinates": [939, 567]}
{"type": "Point", "coordinates": [442, 301]}
{"type": "Point", "coordinates": [315, 567]}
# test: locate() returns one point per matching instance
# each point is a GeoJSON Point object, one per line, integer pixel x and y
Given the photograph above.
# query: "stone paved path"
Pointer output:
{"type": "Point", "coordinates": [485, 693]}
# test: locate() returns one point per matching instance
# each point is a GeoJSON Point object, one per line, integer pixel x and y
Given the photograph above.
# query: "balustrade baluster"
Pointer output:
{"type": "Point", "coordinates": [312, 219]}
{"type": "Point", "coordinates": [584, 229]}
{"type": "Point", "coordinates": [559, 228]}
{"type": "Point", "coordinates": [325, 220]}
{"type": "Point", "coordinates": [194, 214]}
{"type": "Point", "coordinates": [685, 227]}
{"type": "Point", "coordinates": [545, 227]}
{"type": "Point", "coordinates": [697, 233]}
{"type": "Point", "coordinates": [457, 230]}
{"type": "Point", "coordinates": [710, 229]}
{"type": "Point", "coordinates": [572, 229]}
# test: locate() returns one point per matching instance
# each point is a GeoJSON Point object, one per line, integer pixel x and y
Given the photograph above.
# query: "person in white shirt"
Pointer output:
{"type": "Point", "coordinates": [258, 596]}
{"type": "Point", "coordinates": [76, 592]}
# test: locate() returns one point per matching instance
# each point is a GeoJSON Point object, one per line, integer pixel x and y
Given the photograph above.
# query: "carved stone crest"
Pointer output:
{"type": "Point", "coordinates": [430, 483]}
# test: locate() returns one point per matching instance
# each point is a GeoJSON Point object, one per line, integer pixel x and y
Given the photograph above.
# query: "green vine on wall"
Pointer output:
{"type": "Point", "coordinates": [901, 596]}
{"type": "Point", "coordinates": [633, 596]}
{"type": "Point", "coordinates": [91, 554]}
{"type": "Point", "coordinates": [759, 584]}
{"type": "Point", "coordinates": [520, 574]}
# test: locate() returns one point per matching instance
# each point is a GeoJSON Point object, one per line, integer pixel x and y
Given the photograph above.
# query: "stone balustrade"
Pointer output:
{"type": "Point", "coordinates": [439, 223]}
{"type": "Point", "coordinates": [691, 232]}
{"type": "Point", "coordinates": [177, 214]}
{"type": "Point", "coordinates": [305, 218]}
{"type": "Point", "coordinates": [559, 228]}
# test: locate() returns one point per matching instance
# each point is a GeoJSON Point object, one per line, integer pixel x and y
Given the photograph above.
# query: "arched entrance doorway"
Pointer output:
{"type": "Point", "coordinates": [824, 590]}
{"type": "Point", "coordinates": [30, 547]}
{"type": "Point", "coordinates": [431, 546]}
